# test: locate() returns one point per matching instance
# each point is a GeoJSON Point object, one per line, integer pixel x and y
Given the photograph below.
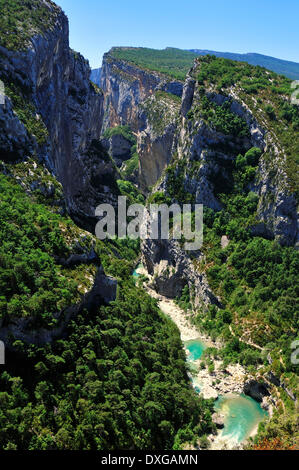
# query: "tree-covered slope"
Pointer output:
{"type": "Point", "coordinates": [176, 62]}
{"type": "Point", "coordinates": [237, 154]}
{"type": "Point", "coordinates": [282, 67]}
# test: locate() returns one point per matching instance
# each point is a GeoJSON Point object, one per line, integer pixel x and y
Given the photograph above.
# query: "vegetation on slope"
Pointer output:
{"type": "Point", "coordinates": [21, 20]}
{"type": "Point", "coordinates": [255, 278]}
{"type": "Point", "coordinates": [117, 378]}
{"type": "Point", "coordinates": [268, 97]}
{"type": "Point", "coordinates": [173, 62]}
{"type": "Point", "coordinates": [282, 67]}
{"type": "Point", "coordinates": [32, 283]}
{"type": "Point", "coordinates": [161, 109]}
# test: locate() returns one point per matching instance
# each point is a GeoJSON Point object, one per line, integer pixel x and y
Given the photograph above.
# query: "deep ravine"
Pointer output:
{"type": "Point", "coordinates": [239, 414]}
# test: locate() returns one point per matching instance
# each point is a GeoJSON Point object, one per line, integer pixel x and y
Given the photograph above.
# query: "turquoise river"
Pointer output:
{"type": "Point", "coordinates": [241, 413]}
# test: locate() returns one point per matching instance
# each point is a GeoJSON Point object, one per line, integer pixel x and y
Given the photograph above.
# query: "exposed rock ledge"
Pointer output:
{"type": "Point", "coordinates": [103, 291]}
{"type": "Point", "coordinates": [231, 380]}
{"type": "Point", "coordinates": [171, 269]}
{"type": "Point", "coordinates": [221, 381]}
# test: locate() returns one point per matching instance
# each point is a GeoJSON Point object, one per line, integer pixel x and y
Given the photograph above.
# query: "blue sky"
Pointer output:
{"type": "Point", "coordinates": [265, 26]}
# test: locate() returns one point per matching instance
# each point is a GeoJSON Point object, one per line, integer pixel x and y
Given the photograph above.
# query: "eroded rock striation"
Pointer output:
{"type": "Point", "coordinates": [125, 86]}
{"type": "Point", "coordinates": [172, 269]}
{"type": "Point", "coordinates": [61, 114]}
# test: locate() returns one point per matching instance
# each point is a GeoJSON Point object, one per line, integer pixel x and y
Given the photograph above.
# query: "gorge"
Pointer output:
{"type": "Point", "coordinates": [97, 358]}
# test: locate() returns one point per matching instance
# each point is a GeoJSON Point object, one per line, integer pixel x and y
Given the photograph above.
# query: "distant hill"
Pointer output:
{"type": "Point", "coordinates": [95, 76]}
{"type": "Point", "coordinates": [283, 67]}
{"type": "Point", "coordinates": [177, 62]}
{"type": "Point", "coordinates": [170, 61]}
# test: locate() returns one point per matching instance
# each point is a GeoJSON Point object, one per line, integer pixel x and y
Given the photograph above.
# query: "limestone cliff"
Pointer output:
{"type": "Point", "coordinates": [50, 126]}
{"type": "Point", "coordinates": [155, 143]}
{"type": "Point", "coordinates": [203, 157]}
{"type": "Point", "coordinates": [95, 76]}
{"type": "Point", "coordinates": [125, 86]}
{"type": "Point", "coordinates": [58, 113]}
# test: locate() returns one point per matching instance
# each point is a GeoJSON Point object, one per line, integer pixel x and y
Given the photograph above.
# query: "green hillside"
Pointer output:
{"type": "Point", "coordinates": [177, 62]}
{"type": "Point", "coordinates": [283, 67]}
{"type": "Point", "coordinates": [173, 62]}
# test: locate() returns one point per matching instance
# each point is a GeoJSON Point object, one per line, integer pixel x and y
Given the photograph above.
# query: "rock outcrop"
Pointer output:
{"type": "Point", "coordinates": [156, 142]}
{"type": "Point", "coordinates": [125, 86]}
{"type": "Point", "coordinates": [54, 83]}
{"type": "Point", "coordinates": [95, 76]}
{"type": "Point", "coordinates": [172, 270]}
{"type": "Point", "coordinates": [207, 157]}
{"type": "Point", "coordinates": [209, 153]}
{"type": "Point", "coordinates": [201, 159]}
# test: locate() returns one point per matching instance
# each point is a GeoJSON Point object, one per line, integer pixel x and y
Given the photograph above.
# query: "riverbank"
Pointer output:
{"type": "Point", "coordinates": [211, 384]}
{"type": "Point", "coordinates": [221, 383]}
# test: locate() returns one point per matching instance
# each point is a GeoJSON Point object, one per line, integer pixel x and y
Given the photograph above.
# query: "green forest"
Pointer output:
{"type": "Point", "coordinates": [85, 373]}
{"type": "Point", "coordinates": [117, 378]}
{"type": "Point", "coordinates": [169, 61]}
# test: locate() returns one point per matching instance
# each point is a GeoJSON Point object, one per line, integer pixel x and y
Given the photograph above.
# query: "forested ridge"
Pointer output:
{"type": "Point", "coordinates": [116, 379]}
{"type": "Point", "coordinates": [109, 375]}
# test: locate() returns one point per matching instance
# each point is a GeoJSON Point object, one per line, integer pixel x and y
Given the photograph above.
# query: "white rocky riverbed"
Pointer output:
{"type": "Point", "coordinates": [226, 383]}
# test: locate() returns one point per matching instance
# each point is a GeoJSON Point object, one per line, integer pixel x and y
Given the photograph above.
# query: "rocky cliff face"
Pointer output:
{"type": "Point", "coordinates": [53, 82]}
{"type": "Point", "coordinates": [125, 86]}
{"type": "Point", "coordinates": [278, 209]}
{"type": "Point", "coordinates": [118, 147]}
{"type": "Point", "coordinates": [204, 157]}
{"type": "Point", "coordinates": [155, 143]}
{"type": "Point", "coordinates": [172, 270]}
{"type": "Point", "coordinates": [80, 256]}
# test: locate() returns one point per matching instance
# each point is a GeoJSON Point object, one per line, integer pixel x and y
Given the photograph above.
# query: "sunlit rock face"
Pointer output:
{"type": "Point", "coordinates": [125, 86]}
{"type": "Point", "coordinates": [56, 81]}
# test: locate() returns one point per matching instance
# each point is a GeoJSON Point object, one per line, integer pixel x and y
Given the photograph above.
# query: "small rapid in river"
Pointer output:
{"type": "Point", "coordinates": [241, 414]}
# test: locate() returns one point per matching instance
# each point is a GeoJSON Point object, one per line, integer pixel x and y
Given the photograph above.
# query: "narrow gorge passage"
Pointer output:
{"type": "Point", "coordinates": [240, 413]}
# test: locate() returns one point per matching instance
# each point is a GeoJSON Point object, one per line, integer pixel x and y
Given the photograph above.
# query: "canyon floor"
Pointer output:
{"type": "Point", "coordinates": [228, 382]}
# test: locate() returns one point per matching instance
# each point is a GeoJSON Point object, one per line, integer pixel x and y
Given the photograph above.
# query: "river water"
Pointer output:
{"type": "Point", "coordinates": [241, 413]}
